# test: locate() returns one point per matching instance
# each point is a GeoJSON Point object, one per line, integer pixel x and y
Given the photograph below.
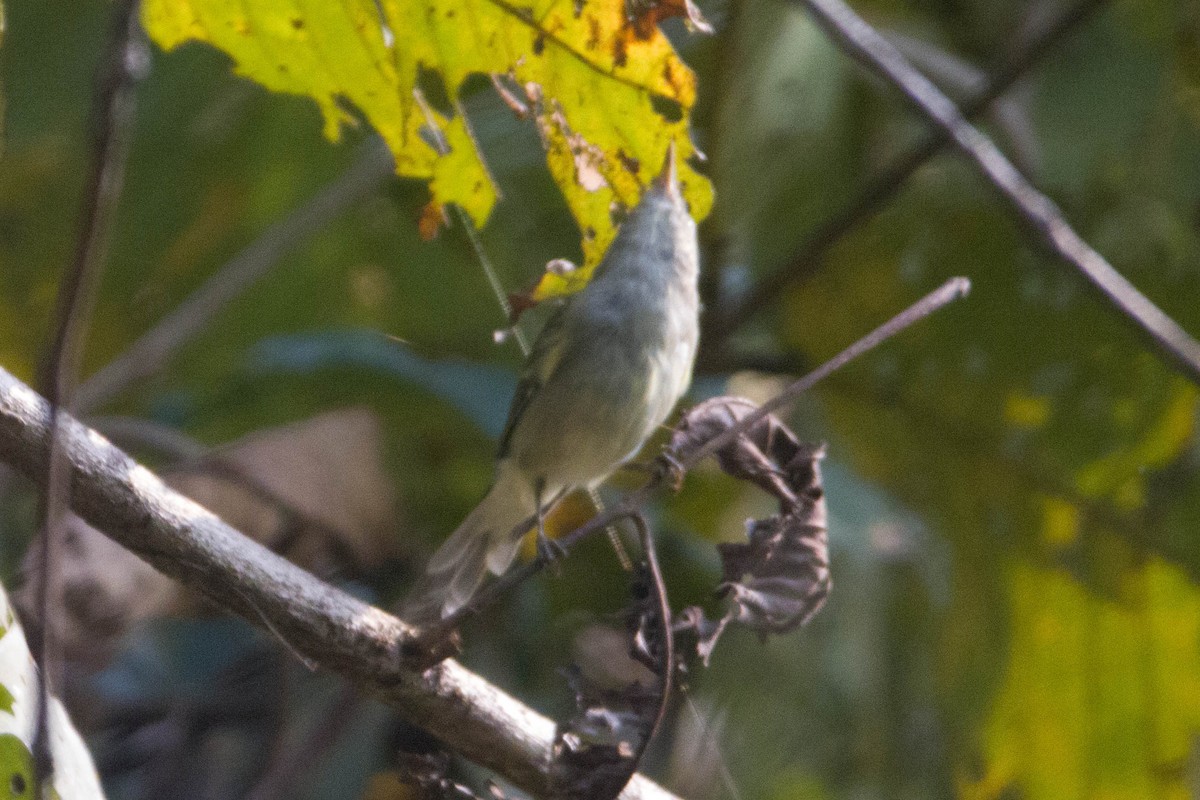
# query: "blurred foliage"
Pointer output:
{"type": "Point", "coordinates": [1014, 486]}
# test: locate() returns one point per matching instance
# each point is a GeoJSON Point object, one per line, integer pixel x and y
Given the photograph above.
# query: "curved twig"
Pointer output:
{"type": "Point", "coordinates": [668, 634]}
{"type": "Point", "coordinates": [123, 63]}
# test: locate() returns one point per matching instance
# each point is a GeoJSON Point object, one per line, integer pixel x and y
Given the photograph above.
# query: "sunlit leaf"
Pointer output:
{"type": "Point", "coordinates": [607, 95]}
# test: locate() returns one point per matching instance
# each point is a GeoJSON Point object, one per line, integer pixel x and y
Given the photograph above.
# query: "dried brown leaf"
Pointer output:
{"type": "Point", "coordinates": [595, 752]}
{"type": "Point", "coordinates": [779, 578]}
{"type": "Point", "coordinates": [763, 455]}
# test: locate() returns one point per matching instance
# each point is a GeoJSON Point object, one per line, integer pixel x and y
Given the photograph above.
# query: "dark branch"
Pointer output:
{"type": "Point", "coordinates": [1037, 211]}
{"type": "Point", "coordinates": [122, 64]}
{"type": "Point", "coordinates": [322, 624]}
{"type": "Point", "coordinates": [885, 184]}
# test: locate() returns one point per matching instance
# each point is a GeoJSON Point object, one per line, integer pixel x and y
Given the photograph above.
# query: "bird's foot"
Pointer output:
{"type": "Point", "coordinates": [669, 469]}
{"type": "Point", "coordinates": [550, 552]}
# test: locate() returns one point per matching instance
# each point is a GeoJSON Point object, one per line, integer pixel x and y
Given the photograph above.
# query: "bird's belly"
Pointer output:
{"type": "Point", "coordinates": [610, 413]}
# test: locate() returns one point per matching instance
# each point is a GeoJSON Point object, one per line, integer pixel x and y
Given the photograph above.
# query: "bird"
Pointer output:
{"type": "Point", "coordinates": [604, 373]}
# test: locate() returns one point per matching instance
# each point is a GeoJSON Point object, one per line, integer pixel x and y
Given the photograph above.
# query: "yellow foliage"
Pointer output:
{"type": "Point", "coordinates": [1100, 699]}
{"type": "Point", "coordinates": [596, 83]}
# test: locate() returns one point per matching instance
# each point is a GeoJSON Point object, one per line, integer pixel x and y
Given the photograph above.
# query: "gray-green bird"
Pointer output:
{"type": "Point", "coordinates": [604, 373]}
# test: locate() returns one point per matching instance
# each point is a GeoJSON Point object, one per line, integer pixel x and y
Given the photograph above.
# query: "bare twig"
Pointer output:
{"type": "Point", "coordinates": [156, 347]}
{"type": "Point", "coordinates": [668, 635]}
{"type": "Point", "coordinates": [1032, 207]}
{"type": "Point", "coordinates": [337, 631]}
{"type": "Point", "coordinates": [428, 637]}
{"type": "Point", "coordinates": [122, 64]}
{"type": "Point", "coordinates": [947, 293]}
{"type": "Point", "coordinates": [885, 184]}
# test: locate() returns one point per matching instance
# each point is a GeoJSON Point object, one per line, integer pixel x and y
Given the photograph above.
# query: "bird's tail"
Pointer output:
{"type": "Point", "coordinates": [482, 543]}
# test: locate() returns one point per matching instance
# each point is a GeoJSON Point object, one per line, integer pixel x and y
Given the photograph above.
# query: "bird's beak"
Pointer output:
{"type": "Point", "coordinates": [667, 177]}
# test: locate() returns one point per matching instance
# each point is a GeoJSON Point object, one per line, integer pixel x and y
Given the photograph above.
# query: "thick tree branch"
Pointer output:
{"type": "Point", "coordinates": [1037, 211]}
{"type": "Point", "coordinates": [322, 624]}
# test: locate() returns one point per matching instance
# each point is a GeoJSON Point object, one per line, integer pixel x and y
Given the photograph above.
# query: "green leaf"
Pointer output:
{"type": "Point", "coordinates": [16, 768]}
{"type": "Point", "coordinates": [74, 773]}
{"type": "Point", "coordinates": [603, 92]}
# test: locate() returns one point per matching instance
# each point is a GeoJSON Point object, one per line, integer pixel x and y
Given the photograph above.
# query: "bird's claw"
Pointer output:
{"type": "Point", "coordinates": [550, 552]}
{"type": "Point", "coordinates": [669, 469]}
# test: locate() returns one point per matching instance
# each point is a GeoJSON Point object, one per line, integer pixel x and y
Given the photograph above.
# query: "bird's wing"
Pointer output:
{"type": "Point", "coordinates": [543, 359]}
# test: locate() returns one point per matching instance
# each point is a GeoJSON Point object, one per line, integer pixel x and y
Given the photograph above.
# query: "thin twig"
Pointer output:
{"type": "Point", "coordinates": [155, 348]}
{"type": "Point", "coordinates": [1039, 213]}
{"type": "Point", "coordinates": [667, 633]}
{"type": "Point", "coordinates": [122, 64]}
{"type": "Point", "coordinates": [429, 636]}
{"type": "Point", "coordinates": [948, 292]}
{"type": "Point", "coordinates": [885, 184]}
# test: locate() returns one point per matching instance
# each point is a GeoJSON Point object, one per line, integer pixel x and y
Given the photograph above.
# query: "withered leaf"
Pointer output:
{"type": "Point", "coordinates": [428, 775]}
{"type": "Point", "coordinates": [779, 578]}
{"type": "Point", "coordinates": [768, 454]}
{"type": "Point", "coordinates": [595, 752]}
